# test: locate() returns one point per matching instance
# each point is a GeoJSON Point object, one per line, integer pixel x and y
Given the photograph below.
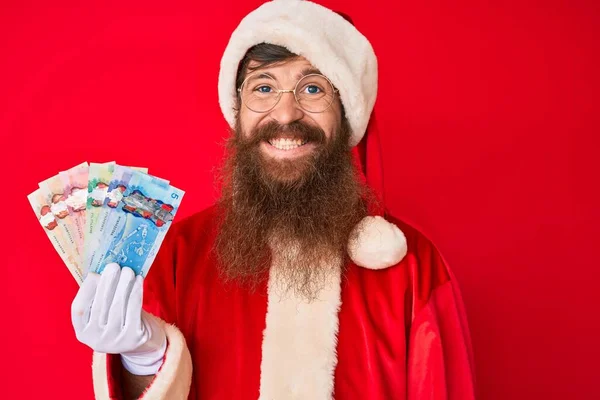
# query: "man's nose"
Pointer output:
{"type": "Point", "coordinates": [287, 109]}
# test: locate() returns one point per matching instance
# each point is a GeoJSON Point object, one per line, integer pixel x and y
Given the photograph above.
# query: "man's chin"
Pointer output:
{"type": "Point", "coordinates": [292, 170]}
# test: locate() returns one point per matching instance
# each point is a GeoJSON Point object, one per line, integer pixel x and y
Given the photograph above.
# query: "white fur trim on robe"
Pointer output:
{"type": "Point", "coordinates": [173, 380]}
{"type": "Point", "coordinates": [300, 339]}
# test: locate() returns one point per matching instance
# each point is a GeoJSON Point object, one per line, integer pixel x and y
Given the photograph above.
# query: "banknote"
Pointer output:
{"type": "Point", "coordinates": [99, 180]}
{"type": "Point", "coordinates": [95, 214]}
{"type": "Point", "coordinates": [55, 195]}
{"type": "Point", "coordinates": [101, 238]}
{"type": "Point", "coordinates": [119, 180]}
{"type": "Point", "coordinates": [141, 216]}
{"type": "Point", "coordinates": [51, 226]}
{"type": "Point", "coordinates": [75, 182]}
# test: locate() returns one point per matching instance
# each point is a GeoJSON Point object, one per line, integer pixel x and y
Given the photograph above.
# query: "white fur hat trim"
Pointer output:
{"type": "Point", "coordinates": [377, 243]}
{"type": "Point", "coordinates": [329, 42]}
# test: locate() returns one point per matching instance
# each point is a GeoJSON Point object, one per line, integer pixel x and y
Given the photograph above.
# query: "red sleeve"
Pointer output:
{"type": "Point", "coordinates": [159, 285]}
{"type": "Point", "coordinates": [440, 357]}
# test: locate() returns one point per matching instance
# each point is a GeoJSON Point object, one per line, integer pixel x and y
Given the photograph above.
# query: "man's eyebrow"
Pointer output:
{"type": "Point", "coordinates": [308, 71]}
{"type": "Point", "coordinates": [304, 72]}
{"type": "Point", "coordinates": [264, 75]}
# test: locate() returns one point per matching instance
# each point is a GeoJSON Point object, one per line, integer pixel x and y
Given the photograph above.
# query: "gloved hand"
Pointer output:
{"type": "Point", "coordinates": [107, 316]}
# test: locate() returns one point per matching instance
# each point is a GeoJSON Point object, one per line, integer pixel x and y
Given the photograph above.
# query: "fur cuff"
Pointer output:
{"type": "Point", "coordinates": [377, 243]}
{"type": "Point", "coordinates": [172, 380]}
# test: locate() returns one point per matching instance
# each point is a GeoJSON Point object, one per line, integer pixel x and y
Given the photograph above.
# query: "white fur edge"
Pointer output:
{"type": "Point", "coordinates": [172, 381]}
{"type": "Point", "coordinates": [299, 343]}
{"type": "Point", "coordinates": [324, 38]}
{"type": "Point", "coordinates": [377, 243]}
{"type": "Point", "coordinates": [100, 376]}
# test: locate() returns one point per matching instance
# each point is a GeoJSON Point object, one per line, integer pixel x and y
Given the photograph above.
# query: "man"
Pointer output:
{"type": "Point", "coordinates": [293, 286]}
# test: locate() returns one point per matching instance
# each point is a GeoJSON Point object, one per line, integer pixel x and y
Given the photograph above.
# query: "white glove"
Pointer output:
{"type": "Point", "coordinates": [107, 316]}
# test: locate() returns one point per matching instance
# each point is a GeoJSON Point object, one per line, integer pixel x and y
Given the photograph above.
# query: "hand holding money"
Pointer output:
{"type": "Point", "coordinates": [99, 218]}
{"type": "Point", "coordinates": [107, 316]}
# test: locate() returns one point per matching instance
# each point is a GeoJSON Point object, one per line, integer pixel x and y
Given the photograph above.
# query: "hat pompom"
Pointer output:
{"type": "Point", "coordinates": [377, 243]}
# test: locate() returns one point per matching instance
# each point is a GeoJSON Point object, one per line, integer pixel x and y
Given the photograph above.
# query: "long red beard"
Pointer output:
{"type": "Point", "coordinates": [310, 205]}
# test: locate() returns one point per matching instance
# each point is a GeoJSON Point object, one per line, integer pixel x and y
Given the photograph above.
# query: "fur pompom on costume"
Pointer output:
{"type": "Point", "coordinates": [377, 243]}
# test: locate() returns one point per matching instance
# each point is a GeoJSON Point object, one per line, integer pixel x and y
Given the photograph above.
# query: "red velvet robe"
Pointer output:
{"type": "Point", "coordinates": [402, 330]}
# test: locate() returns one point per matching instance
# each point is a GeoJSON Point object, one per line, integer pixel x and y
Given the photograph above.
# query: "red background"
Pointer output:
{"type": "Point", "coordinates": [489, 116]}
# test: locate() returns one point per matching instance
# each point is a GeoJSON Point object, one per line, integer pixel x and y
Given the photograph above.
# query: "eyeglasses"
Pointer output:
{"type": "Point", "coordinates": [314, 93]}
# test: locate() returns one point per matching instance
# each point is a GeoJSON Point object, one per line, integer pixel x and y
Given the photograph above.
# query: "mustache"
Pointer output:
{"type": "Point", "coordinates": [297, 129]}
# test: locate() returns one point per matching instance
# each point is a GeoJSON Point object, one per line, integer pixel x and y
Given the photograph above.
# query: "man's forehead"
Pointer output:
{"type": "Point", "coordinates": [295, 68]}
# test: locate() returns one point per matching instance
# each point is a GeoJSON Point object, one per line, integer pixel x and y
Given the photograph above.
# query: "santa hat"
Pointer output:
{"type": "Point", "coordinates": [325, 38]}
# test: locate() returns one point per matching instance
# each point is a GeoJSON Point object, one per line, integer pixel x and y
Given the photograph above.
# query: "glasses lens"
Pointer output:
{"type": "Point", "coordinates": [259, 94]}
{"type": "Point", "coordinates": [314, 93]}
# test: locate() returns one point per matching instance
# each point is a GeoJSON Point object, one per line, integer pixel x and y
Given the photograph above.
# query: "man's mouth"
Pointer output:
{"type": "Point", "coordinates": [287, 143]}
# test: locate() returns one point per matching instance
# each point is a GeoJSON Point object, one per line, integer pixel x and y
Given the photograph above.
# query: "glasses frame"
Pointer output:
{"type": "Point", "coordinates": [281, 91]}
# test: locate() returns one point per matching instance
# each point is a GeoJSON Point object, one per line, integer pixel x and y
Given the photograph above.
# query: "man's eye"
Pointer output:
{"type": "Point", "coordinates": [264, 89]}
{"type": "Point", "coordinates": [312, 89]}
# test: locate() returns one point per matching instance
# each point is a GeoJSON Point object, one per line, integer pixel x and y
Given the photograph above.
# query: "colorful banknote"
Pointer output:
{"type": "Point", "coordinates": [75, 181]}
{"type": "Point", "coordinates": [144, 209]}
{"type": "Point", "coordinates": [50, 223]}
{"type": "Point", "coordinates": [98, 236]}
{"type": "Point", "coordinates": [95, 214]}
{"type": "Point", "coordinates": [98, 181]}
{"type": "Point", "coordinates": [99, 196]}
{"type": "Point", "coordinates": [55, 195]}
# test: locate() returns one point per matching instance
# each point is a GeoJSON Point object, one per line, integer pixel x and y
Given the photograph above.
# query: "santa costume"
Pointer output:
{"type": "Point", "coordinates": [389, 325]}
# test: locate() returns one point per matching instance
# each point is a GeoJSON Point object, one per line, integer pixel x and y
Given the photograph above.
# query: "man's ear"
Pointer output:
{"type": "Point", "coordinates": [237, 107]}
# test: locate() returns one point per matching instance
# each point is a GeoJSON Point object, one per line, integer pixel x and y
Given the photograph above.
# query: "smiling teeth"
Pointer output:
{"type": "Point", "coordinates": [286, 144]}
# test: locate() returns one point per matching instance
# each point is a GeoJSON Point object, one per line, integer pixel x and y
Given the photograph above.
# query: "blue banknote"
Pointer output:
{"type": "Point", "coordinates": [140, 216]}
{"type": "Point", "coordinates": [100, 193]}
{"type": "Point", "coordinates": [105, 203]}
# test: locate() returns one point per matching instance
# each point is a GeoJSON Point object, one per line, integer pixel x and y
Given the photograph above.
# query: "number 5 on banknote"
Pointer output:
{"type": "Point", "coordinates": [138, 224]}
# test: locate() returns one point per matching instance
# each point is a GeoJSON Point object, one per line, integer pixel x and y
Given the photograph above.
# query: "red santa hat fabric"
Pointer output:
{"type": "Point", "coordinates": [325, 38]}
